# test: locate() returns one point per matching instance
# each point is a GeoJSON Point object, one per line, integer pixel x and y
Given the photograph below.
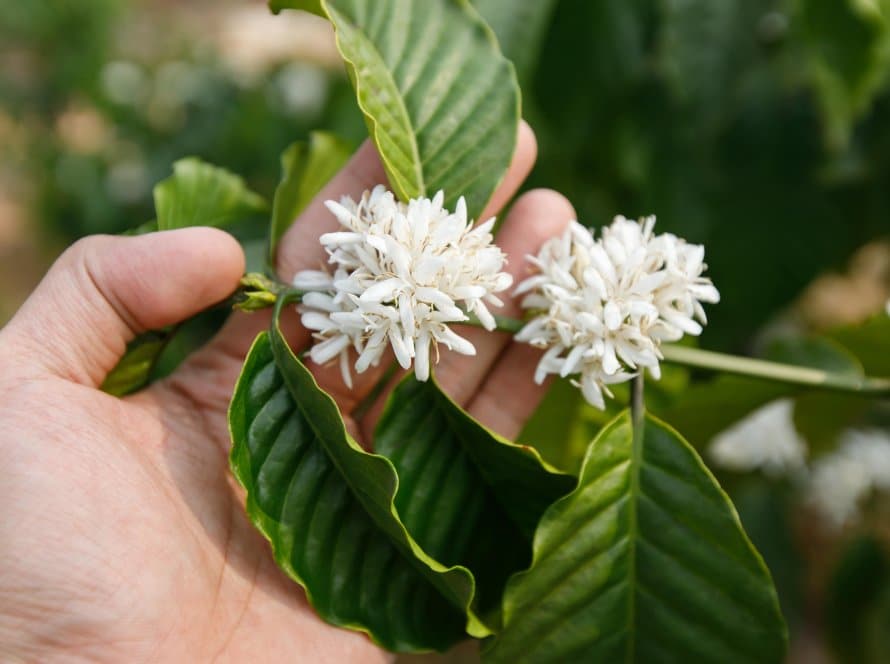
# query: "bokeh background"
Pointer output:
{"type": "Point", "coordinates": [760, 128]}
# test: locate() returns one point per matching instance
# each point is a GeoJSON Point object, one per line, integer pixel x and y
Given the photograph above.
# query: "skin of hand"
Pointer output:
{"type": "Point", "coordinates": [124, 537]}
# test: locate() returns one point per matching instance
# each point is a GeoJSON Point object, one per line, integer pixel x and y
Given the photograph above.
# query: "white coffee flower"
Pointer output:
{"type": "Point", "coordinates": [765, 440]}
{"type": "Point", "coordinates": [843, 479]}
{"type": "Point", "coordinates": [604, 306]}
{"type": "Point", "coordinates": [402, 273]}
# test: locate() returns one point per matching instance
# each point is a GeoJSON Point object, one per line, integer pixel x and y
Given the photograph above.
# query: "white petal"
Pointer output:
{"type": "Point", "coordinates": [341, 238]}
{"type": "Point", "coordinates": [485, 317]}
{"type": "Point", "coordinates": [383, 291]}
{"type": "Point", "coordinates": [344, 216]}
{"type": "Point", "coordinates": [327, 350]}
{"type": "Point", "coordinates": [400, 348]}
{"type": "Point", "coordinates": [612, 315]}
{"type": "Point", "coordinates": [344, 370]}
{"type": "Point", "coordinates": [313, 320]}
{"type": "Point", "coordinates": [312, 280]}
{"type": "Point", "coordinates": [422, 357]}
{"type": "Point", "coordinates": [455, 342]}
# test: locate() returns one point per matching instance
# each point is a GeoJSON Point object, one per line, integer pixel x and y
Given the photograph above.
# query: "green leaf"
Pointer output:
{"type": "Point", "coordinates": [519, 27]}
{"type": "Point", "coordinates": [306, 166]}
{"type": "Point", "coordinates": [199, 194]}
{"type": "Point", "coordinates": [645, 561]}
{"type": "Point", "coordinates": [134, 370]}
{"type": "Point", "coordinates": [440, 100]}
{"type": "Point", "coordinates": [311, 6]}
{"type": "Point", "coordinates": [849, 45]}
{"type": "Point", "coordinates": [327, 508]}
{"type": "Point", "coordinates": [468, 496]}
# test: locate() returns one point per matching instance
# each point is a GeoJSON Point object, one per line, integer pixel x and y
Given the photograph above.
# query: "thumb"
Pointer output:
{"type": "Point", "coordinates": [103, 291]}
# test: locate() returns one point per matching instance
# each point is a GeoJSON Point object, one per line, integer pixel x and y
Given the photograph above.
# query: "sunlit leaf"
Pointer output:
{"type": "Point", "coordinates": [645, 561]}
{"type": "Point", "coordinates": [440, 100]}
{"type": "Point", "coordinates": [306, 167]}
{"type": "Point", "coordinates": [200, 194]}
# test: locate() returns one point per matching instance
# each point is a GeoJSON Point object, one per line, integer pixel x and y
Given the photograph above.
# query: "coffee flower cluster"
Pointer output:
{"type": "Point", "coordinates": [402, 273]}
{"type": "Point", "coordinates": [602, 307]}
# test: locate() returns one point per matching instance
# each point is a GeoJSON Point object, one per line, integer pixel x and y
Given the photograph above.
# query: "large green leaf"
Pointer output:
{"type": "Point", "coordinates": [519, 27]}
{"type": "Point", "coordinates": [200, 194]}
{"type": "Point", "coordinates": [327, 508]}
{"type": "Point", "coordinates": [468, 496]}
{"type": "Point", "coordinates": [440, 100]}
{"type": "Point", "coordinates": [306, 167]}
{"type": "Point", "coordinates": [645, 561]}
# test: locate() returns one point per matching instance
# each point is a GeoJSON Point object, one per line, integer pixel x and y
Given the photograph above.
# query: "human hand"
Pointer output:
{"type": "Point", "coordinates": [124, 536]}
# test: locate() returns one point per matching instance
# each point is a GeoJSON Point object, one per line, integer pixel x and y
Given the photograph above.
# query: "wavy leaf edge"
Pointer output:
{"type": "Point", "coordinates": [475, 627]}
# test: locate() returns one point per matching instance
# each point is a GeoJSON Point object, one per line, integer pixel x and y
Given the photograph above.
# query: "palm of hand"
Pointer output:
{"type": "Point", "coordinates": [129, 540]}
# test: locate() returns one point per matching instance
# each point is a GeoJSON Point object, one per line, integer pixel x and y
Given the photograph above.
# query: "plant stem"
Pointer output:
{"type": "Point", "coordinates": [746, 366]}
{"type": "Point", "coordinates": [782, 373]}
{"type": "Point", "coordinates": [637, 403]}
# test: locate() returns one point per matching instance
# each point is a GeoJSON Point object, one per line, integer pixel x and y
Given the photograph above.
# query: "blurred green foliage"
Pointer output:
{"type": "Point", "coordinates": [180, 100]}
{"type": "Point", "coordinates": [754, 126]}
{"type": "Point", "coordinates": [715, 116]}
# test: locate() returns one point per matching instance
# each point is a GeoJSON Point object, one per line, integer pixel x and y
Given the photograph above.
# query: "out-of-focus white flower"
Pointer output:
{"type": "Point", "coordinates": [604, 306]}
{"type": "Point", "coordinates": [841, 480]}
{"type": "Point", "coordinates": [403, 272]}
{"type": "Point", "coordinates": [765, 440]}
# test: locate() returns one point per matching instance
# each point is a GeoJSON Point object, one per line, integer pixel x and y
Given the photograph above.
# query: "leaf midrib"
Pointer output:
{"type": "Point", "coordinates": [337, 16]}
{"type": "Point", "coordinates": [402, 544]}
{"type": "Point", "coordinates": [638, 425]}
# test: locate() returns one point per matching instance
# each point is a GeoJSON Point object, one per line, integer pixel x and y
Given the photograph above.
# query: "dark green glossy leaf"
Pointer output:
{"type": "Point", "coordinates": [468, 496]}
{"type": "Point", "coordinates": [645, 561]}
{"type": "Point", "coordinates": [306, 167]}
{"type": "Point", "coordinates": [326, 506]}
{"type": "Point", "coordinates": [440, 100]}
{"type": "Point", "coordinates": [200, 194]}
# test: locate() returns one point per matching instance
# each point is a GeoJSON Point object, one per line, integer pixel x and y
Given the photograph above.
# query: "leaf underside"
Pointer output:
{"type": "Point", "coordinates": [440, 100]}
{"type": "Point", "coordinates": [326, 507]}
{"type": "Point", "coordinates": [466, 495]}
{"type": "Point", "coordinates": [645, 561]}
